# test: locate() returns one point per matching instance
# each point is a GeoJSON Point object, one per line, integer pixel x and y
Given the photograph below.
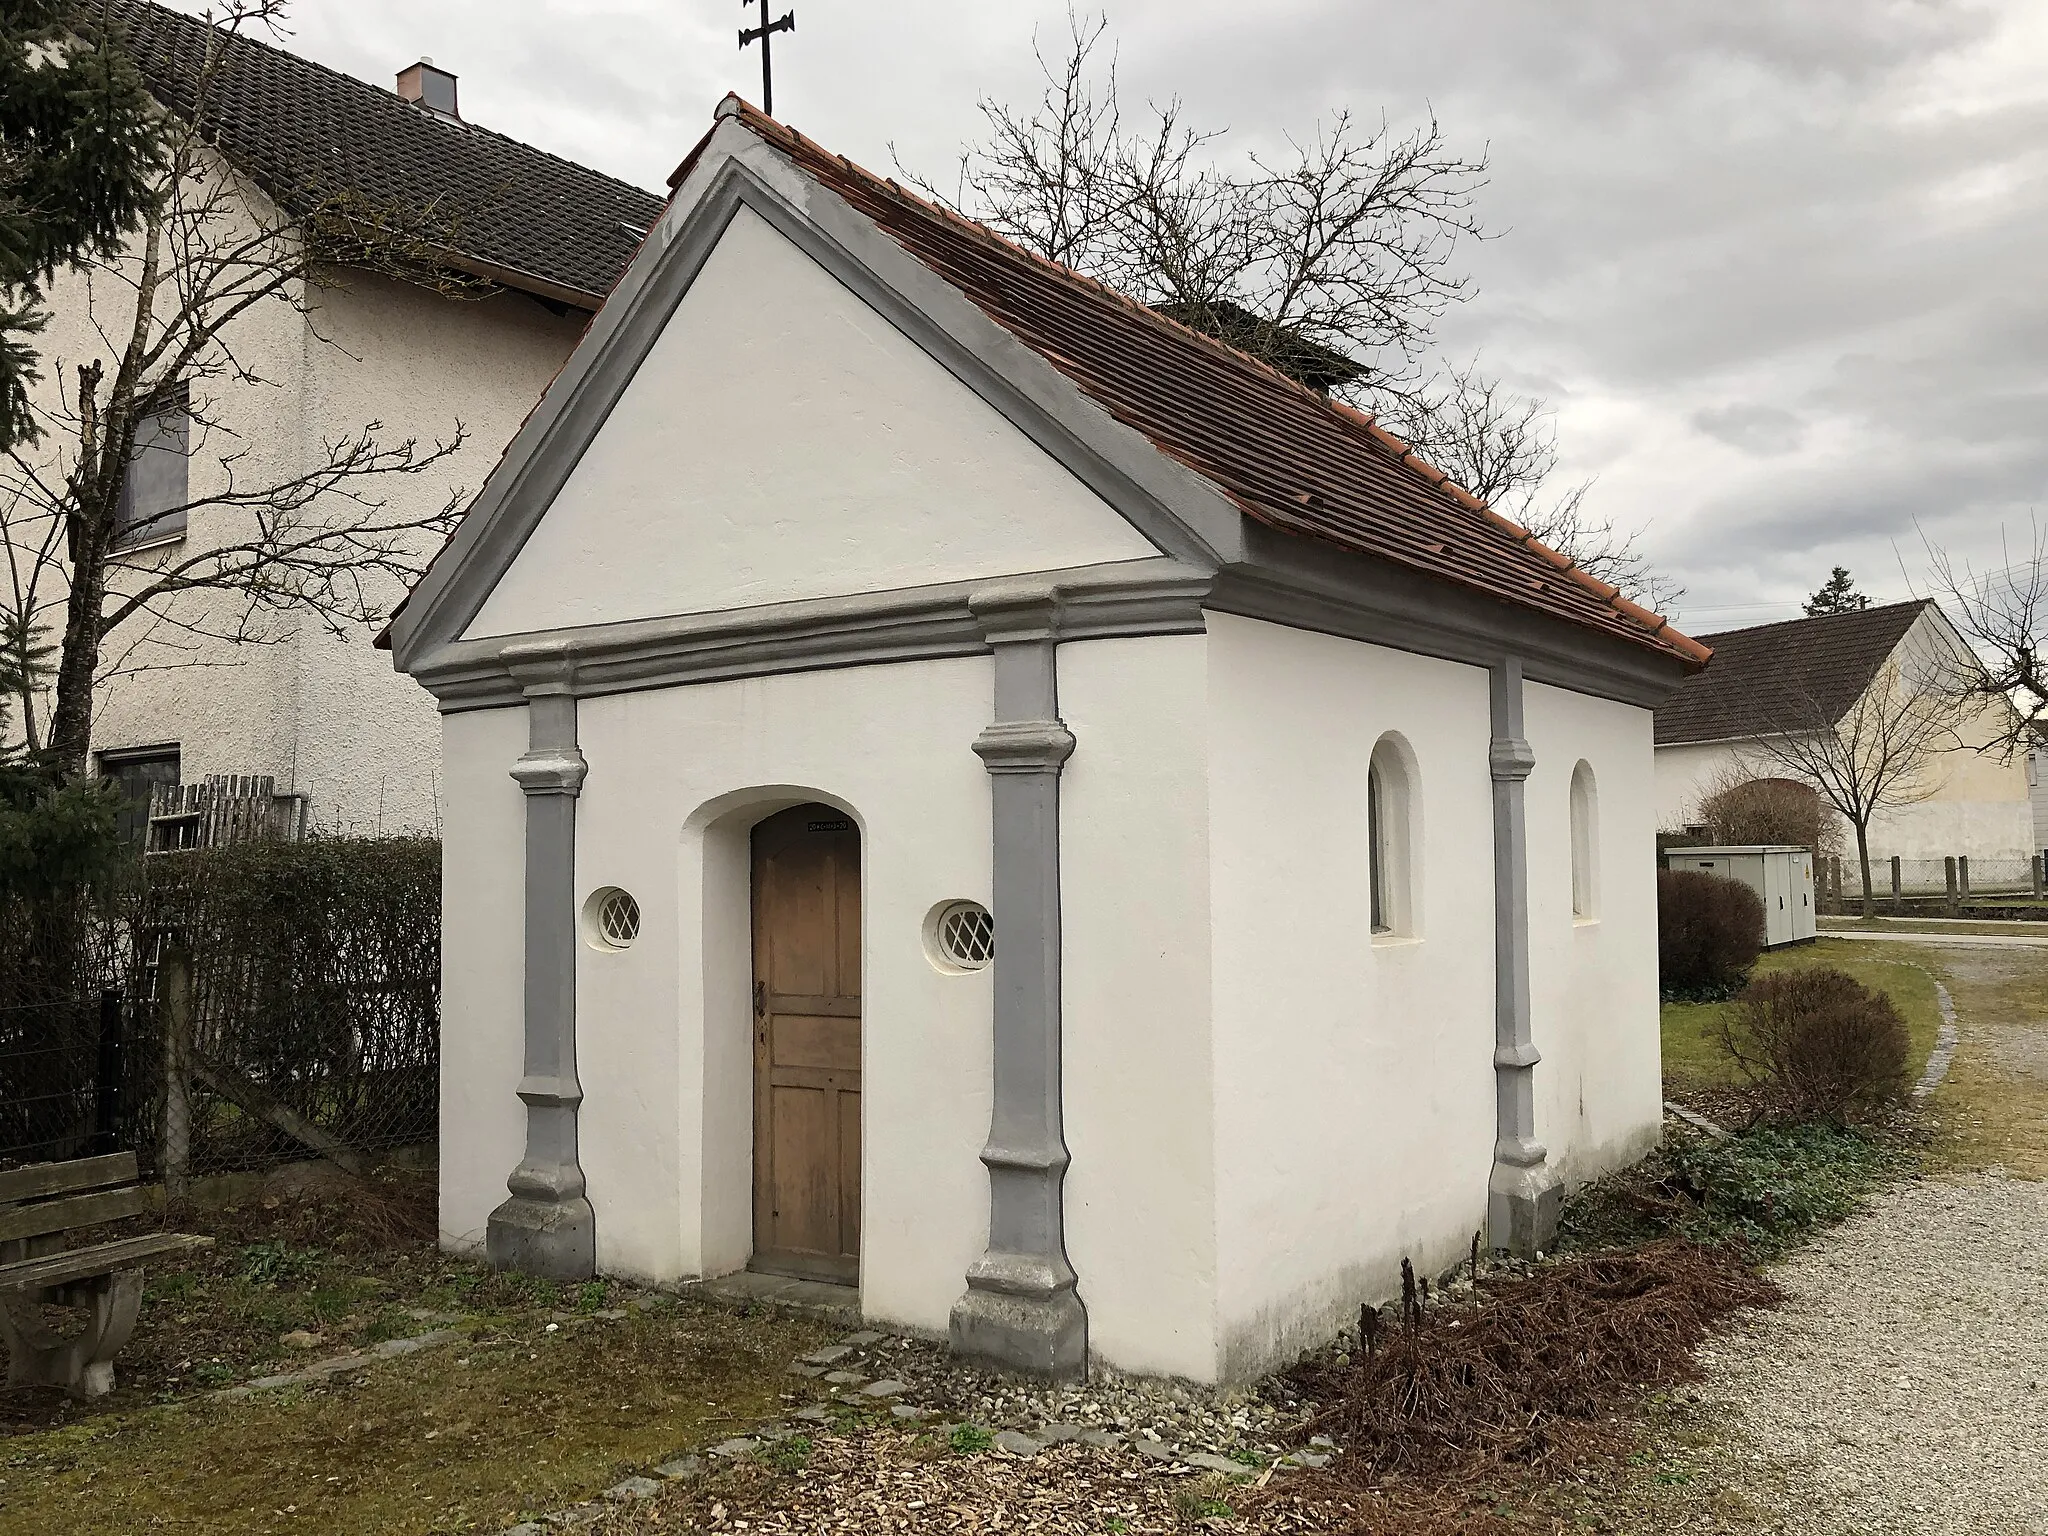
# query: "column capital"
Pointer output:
{"type": "Point", "coordinates": [1016, 612]}
{"type": "Point", "coordinates": [1511, 759]}
{"type": "Point", "coordinates": [1024, 746]}
{"type": "Point", "coordinates": [542, 669]}
{"type": "Point", "coordinates": [551, 771]}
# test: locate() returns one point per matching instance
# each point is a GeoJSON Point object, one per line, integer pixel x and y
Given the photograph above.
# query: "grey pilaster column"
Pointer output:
{"type": "Point", "coordinates": [1525, 1196]}
{"type": "Point", "coordinates": [1021, 1309]}
{"type": "Point", "coordinates": [547, 1228]}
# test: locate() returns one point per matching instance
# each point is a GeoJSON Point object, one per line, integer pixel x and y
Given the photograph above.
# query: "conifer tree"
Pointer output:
{"type": "Point", "coordinates": [1837, 594]}
{"type": "Point", "coordinates": [78, 140]}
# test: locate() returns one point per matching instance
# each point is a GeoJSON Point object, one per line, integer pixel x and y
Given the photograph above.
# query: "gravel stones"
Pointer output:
{"type": "Point", "coordinates": [1017, 1443]}
{"type": "Point", "coordinates": [1898, 1389]}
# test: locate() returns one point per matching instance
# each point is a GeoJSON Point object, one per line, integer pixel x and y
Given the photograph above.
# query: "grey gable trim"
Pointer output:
{"type": "Point", "coordinates": [1216, 557]}
{"type": "Point", "coordinates": [1116, 463]}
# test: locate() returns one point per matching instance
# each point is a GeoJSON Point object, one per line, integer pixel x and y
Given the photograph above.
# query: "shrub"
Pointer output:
{"type": "Point", "coordinates": [1741, 812]}
{"type": "Point", "coordinates": [1823, 1045]}
{"type": "Point", "coordinates": [1709, 931]}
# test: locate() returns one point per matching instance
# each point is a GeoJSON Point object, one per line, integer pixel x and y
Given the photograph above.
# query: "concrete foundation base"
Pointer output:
{"type": "Point", "coordinates": [1523, 1208]}
{"type": "Point", "coordinates": [555, 1240]}
{"type": "Point", "coordinates": [1039, 1335]}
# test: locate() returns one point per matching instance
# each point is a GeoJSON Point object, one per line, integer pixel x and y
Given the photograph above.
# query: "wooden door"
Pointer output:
{"type": "Point", "coordinates": [807, 1044]}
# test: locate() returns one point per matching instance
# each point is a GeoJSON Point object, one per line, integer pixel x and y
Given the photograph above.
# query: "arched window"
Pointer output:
{"type": "Point", "coordinates": [1585, 844]}
{"type": "Point", "coordinates": [1391, 842]}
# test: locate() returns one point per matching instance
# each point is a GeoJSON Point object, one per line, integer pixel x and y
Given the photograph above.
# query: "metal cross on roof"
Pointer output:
{"type": "Point", "coordinates": [763, 33]}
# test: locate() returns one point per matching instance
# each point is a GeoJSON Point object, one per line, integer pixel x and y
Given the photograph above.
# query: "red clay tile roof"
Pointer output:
{"type": "Point", "coordinates": [303, 131]}
{"type": "Point", "coordinates": [1804, 670]}
{"type": "Point", "coordinates": [1287, 456]}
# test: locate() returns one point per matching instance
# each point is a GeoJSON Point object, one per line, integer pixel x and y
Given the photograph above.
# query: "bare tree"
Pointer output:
{"type": "Point", "coordinates": [1879, 755]}
{"type": "Point", "coordinates": [1333, 262]}
{"type": "Point", "coordinates": [1502, 447]}
{"type": "Point", "coordinates": [320, 543]}
{"type": "Point", "coordinates": [2003, 616]}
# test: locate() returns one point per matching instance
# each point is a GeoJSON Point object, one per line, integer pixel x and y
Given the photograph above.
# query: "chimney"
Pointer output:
{"type": "Point", "coordinates": [432, 88]}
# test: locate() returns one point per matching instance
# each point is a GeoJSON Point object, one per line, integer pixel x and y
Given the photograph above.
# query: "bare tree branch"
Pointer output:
{"type": "Point", "coordinates": [1332, 261]}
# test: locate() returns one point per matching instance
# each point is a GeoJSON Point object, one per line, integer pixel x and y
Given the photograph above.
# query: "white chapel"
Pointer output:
{"type": "Point", "coordinates": [961, 788]}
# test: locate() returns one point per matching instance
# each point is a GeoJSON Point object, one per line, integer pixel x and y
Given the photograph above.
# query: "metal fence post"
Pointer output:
{"type": "Point", "coordinates": [174, 999]}
{"type": "Point", "coordinates": [2035, 866]}
{"type": "Point", "coordinates": [1897, 887]}
{"type": "Point", "coordinates": [1948, 870]}
{"type": "Point", "coordinates": [1963, 876]}
{"type": "Point", "coordinates": [107, 1077]}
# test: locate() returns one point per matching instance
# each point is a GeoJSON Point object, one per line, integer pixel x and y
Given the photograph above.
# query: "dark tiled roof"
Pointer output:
{"type": "Point", "coordinates": [1287, 456]}
{"type": "Point", "coordinates": [1802, 671]}
{"type": "Point", "coordinates": [303, 131]}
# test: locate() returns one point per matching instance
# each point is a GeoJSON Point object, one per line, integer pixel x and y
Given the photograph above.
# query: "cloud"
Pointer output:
{"type": "Point", "coordinates": [1776, 265]}
{"type": "Point", "coordinates": [1760, 429]}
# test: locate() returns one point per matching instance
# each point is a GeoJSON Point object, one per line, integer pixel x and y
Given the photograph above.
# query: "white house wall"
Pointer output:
{"type": "Point", "coordinates": [1593, 981]}
{"type": "Point", "coordinates": [1354, 1079]}
{"type": "Point", "coordinates": [1136, 1044]}
{"type": "Point", "coordinates": [783, 441]}
{"type": "Point", "coordinates": [323, 715]}
{"type": "Point", "coordinates": [365, 740]}
{"type": "Point", "coordinates": [483, 948]}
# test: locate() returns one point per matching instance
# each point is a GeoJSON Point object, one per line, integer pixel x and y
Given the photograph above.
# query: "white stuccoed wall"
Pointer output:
{"type": "Point", "coordinates": [663, 1029]}
{"type": "Point", "coordinates": [1354, 1080]}
{"type": "Point", "coordinates": [1593, 983]}
{"type": "Point", "coordinates": [783, 441]}
{"type": "Point", "coordinates": [483, 1009]}
{"type": "Point", "coordinates": [1138, 1053]}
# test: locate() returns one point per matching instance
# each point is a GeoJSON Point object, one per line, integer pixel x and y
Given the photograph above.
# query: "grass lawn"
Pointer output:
{"type": "Point", "coordinates": [544, 1398]}
{"type": "Point", "coordinates": [1693, 1058]}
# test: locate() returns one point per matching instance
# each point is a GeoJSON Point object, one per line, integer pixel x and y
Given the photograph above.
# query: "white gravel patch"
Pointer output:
{"type": "Point", "coordinates": [1903, 1388]}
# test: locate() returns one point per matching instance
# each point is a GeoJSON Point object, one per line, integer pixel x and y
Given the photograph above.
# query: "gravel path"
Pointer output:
{"type": "Point", "coordinates": [1904, 1386]}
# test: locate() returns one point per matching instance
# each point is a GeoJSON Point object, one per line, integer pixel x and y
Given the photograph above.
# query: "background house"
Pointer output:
{"type": "Point", "coordinates": [199, 692]}
{"type": "Point", "coordinates": [1807, 674]}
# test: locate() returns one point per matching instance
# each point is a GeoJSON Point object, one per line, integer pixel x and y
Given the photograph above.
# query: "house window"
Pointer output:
{"type": "Point", "coordinates": [1391, 841]}
{"type": "Point", "coordinates": [135, 775]}
{"type": "Point", "coordinates": [153, 494]}
{"type": "Point", "coordinates": [1585, 845]}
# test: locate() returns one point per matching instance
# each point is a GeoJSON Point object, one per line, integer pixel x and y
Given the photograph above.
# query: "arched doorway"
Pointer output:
{"type": "Point", "coordinates": [807, 1020]}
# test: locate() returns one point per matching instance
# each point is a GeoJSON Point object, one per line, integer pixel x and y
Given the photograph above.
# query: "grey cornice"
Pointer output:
{"type": "Point", "coordinates": [1141, 597]}
{"type": "Point", "coordinates": [1307, 584]}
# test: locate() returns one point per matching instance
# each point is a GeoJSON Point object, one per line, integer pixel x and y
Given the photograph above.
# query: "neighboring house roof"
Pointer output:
{"type": "Point", "coordinates": [1288, 457]}
{"type": "Point", "coordinates": [516, 214]}
{"type": "Point", "coordinates": [1809, 670]}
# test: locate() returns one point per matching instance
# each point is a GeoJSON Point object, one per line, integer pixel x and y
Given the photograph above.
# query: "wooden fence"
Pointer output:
{"type": "Point", "coordinates": [225, 808]}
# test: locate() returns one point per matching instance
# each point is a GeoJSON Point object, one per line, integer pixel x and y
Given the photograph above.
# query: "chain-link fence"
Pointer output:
{"type": "Point", "coordinates": [234, 1008]}
{"type": "Point", "coordinates": [1960, 880]}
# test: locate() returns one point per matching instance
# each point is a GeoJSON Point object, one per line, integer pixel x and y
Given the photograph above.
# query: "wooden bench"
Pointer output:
{"type": "Point", "coordinates": [39, 1206]}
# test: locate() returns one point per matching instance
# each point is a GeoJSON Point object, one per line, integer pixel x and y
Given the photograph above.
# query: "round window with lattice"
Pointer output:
{"type": "Point", "coordinates": [960, 936]}
{"type": "Point", "coordinates": [611, 918]}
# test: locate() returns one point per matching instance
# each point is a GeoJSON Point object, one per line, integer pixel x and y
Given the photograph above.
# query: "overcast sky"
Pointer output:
{"type": "Point", "coordinates": [1779, 263]}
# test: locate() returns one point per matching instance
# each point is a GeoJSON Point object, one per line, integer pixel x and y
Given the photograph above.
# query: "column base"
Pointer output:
{"type": "Point", "coordinates": [1523, 1208]}
{"type": "Point", "coordinates": [1039, 1335]}
{"type": "Point", "coordinates": [554, 1240]}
